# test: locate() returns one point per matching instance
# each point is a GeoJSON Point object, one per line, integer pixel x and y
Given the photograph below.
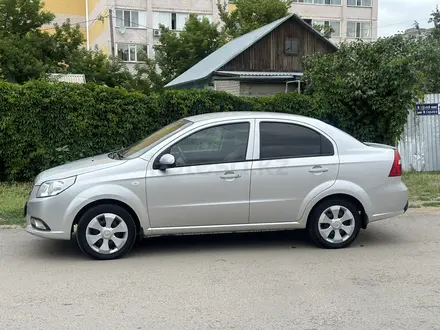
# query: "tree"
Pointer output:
{"type": "Point", "coordinates": [364, 82]}
{"type": "Point", "coordinates": [19, 17]}
{"type": "Point", "coordinates": [147, 77]}
{"type": "Point", "coordinates": [428, 54]}
{"type": "Point", "coordinates": [179, 51]}
{"type": "Point", "coordinates": [28, 51]}
{"type": "Point", "coordinates": [325, 30]}
{"type": "Point", "coordinates": [98, 68]}
{"type": "Point", "coordinates": [251, 14]}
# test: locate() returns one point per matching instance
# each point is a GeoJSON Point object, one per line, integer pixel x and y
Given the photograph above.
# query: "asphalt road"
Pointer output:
{"type": "Point", "coordinates": [389, 279]}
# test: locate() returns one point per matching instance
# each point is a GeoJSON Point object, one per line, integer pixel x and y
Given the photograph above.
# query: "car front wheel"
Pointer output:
{"type": "Point", "coordinates": [334, 224]}
{"type": "Point", "coordinates": [106, 232]}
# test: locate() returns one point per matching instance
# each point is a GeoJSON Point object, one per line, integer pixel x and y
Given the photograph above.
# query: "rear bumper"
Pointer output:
{"type": "Point", "coordinates": [383, 216]}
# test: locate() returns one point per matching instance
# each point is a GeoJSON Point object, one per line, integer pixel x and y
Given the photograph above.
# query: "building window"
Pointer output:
{"type": "Point", "coordinates": [358, 29]}
{"type": "Point", "coordinates": [174, 21]}
{"type": "Point", "coordinates": [130, 18]}
{"type": "Point", "coordinates": [334, 25]}
{"type": "Point", "coordinates": [359, 3]}
{"type": "Point", "coordinates": [291, 46]}
{"type": "Point", "coordinates": [130, 52]}
{"type": "Point", "coordinates": [320, 2]}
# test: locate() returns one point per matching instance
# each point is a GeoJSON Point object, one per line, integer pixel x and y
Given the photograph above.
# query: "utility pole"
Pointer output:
{"type": "Point", "coordinates": [87, 25]}
{"type": "Point", "coordinates": [112, 37]}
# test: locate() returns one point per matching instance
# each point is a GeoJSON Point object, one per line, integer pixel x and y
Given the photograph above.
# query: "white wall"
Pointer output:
{"type": "Point", "coordinates": [200, 6]}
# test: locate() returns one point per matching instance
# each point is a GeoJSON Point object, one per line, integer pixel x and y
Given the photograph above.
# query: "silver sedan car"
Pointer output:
{"type": "Point", "coordinates": [221, 172]}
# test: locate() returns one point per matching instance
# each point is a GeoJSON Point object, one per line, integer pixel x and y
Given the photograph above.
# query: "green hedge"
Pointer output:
{"type": "Point", "coordinates": [43, 125]}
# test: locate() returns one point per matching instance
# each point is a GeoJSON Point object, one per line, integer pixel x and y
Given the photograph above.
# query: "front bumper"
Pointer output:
{"type": "Point", "coordinates": [48, 234]}
{"type": "Point", "coordinates": [57, 213]}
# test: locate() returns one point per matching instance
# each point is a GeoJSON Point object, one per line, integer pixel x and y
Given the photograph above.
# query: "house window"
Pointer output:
{"type": "Point", "coordinates": [131, 18]}
{"type": "Point", "coordinates": [291, 46]}
{"type": "Point", "coordinates": [358, 30]}
{"type": "Point", "coordinates": [359, 3]}
{"type": "Point", "coordinates": [130, 52]}
{"type": "Point", "coordinates": [320, 2]}
{"type": "Point", "coordinates": [334, 25]}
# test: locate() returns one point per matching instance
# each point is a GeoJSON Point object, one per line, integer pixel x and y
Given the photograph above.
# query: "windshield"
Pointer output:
{"type": "Point", "coordinates": [142, 146]}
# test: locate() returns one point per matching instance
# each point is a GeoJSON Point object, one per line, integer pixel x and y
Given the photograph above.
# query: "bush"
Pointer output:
{"type": "Point", "coordinates": [44, 125]}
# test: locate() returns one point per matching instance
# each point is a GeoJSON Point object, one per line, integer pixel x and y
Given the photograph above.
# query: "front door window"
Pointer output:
{"type": "Point", "coordinates": [214, 145]}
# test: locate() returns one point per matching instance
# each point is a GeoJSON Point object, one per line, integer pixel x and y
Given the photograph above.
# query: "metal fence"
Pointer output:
{"type": "Point", "coordinates": [419, 145]}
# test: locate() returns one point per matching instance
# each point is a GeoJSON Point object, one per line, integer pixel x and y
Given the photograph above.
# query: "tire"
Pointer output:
{"type": "Point", "coordinates": [106, 232]}
{"type": "Point", "coordinates": [327, 220]}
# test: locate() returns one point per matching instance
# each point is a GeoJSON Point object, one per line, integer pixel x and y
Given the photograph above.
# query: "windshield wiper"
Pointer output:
{"type": "Point", "coordinates": [116, 154]}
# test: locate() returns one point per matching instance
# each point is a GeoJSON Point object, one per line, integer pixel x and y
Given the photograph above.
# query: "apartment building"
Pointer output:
{"type": "Point", "coordinates": [123, 27]}
{"type": "Point", "coordinates": [349, 19]}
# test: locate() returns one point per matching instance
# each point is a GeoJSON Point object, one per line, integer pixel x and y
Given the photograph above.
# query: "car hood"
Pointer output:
{"type": "Point", "coordinates": [78, 167]}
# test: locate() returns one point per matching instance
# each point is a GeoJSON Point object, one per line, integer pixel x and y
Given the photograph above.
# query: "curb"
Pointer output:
{"type": "Point", "coordinates": [11, 227]}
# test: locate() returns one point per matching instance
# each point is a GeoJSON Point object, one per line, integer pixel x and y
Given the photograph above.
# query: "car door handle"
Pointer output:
{"type": "Point", "coordinates": [230, 176]}
{"type": "Point", "coordinates": [318, 169]}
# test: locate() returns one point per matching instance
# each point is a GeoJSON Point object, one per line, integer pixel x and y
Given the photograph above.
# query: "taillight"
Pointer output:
{"type": "Point", "coordinates": [396, 169]}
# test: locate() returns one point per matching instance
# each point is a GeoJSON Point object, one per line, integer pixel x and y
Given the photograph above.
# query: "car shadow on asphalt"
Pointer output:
{"type": "Point", "coordinates": [274, 240]}
{"type": "Point", "coordinates": [235, 241]}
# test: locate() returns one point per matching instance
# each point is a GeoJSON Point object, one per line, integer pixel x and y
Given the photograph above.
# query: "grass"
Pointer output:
{"type": "Point", "coordinates": [12, 200]}
{"type": "Point", "coordinates": [424, 191]}
{"type": "Point", "coordinates": [424, 188]}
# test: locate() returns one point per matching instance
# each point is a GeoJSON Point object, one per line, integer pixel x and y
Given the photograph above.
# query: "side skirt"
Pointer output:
{"type": "Point", "coordinates": [191, 230]}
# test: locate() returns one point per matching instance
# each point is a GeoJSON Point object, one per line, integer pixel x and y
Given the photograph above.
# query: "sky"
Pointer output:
{"type": "Point", "coordinates": [398, 15]}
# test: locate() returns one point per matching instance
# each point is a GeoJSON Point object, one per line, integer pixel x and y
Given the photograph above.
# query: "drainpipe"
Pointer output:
{"type": "Point", "coordinates": [87, 25]}
{"type": "Point", "coordinates": [291, 82]}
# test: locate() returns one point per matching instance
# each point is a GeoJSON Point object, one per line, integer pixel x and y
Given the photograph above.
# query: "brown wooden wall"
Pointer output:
{"type": "Point", "coordinates": [268, 53]}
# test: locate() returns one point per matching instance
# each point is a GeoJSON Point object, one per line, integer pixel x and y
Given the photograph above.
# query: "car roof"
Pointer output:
{"type": "Point", "coordinates": [349, 142]}
{"type": "Point", "coordinates": [230, 115]}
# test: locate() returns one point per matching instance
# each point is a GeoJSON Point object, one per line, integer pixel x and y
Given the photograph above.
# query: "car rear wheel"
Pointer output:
{"type": "Point", "coordinates": [334, 224]}
{"type": "Point", "coordinates": [106, 232]}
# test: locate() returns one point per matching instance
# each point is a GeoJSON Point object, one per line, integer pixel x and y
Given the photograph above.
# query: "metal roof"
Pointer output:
{"type": "Point", "coordinates": [232, 49]}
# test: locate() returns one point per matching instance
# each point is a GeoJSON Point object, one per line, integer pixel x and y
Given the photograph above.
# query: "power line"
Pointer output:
{"type": "Point", "coordinates": [51, 27]}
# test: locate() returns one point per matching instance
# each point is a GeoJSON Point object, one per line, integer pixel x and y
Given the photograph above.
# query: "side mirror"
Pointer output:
{"type": "Point", "coordinates": [166, 161]}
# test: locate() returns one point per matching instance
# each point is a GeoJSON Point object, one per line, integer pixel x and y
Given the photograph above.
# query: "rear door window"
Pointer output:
{"type": "Point", "coordinates": [285, 140]}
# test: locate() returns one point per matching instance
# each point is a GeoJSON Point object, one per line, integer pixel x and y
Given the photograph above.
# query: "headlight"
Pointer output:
{"type": "Point", "coordinates": [55, 187]}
